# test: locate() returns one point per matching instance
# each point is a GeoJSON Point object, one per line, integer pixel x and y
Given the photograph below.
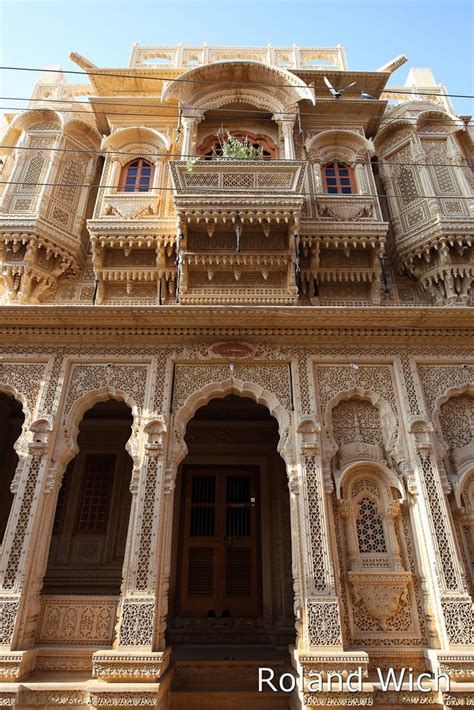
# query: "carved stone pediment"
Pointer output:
{"type": "Point", "coordinates": [347, 209]}
{"type": "Point", "coordinates": [131, 205]}
{"type": "Point", "coordinates": [381, 593]}
{"type": "Point", "coordinates": [360, 450]}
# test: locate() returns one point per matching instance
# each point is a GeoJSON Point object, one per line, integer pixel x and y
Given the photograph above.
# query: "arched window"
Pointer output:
{"type": "Point", "coordinates": [136, 176]}
{"type": "Point", "coordinates": [370, 532]}
{"type": "Point", "coordinates": [211, 147]}
{"type": "Point", "coordinates": [338, 178]}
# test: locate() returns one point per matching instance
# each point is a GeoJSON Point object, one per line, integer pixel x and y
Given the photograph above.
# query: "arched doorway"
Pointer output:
{"type": "Point", "coordinates": [11, 423]}
{"type": "Point", "coordinates": [93, 508]}
{"type": "Point", "coordinates": [231, 579]}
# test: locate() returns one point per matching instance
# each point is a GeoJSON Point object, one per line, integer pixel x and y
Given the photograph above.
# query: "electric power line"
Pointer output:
{"type": "Point", "coordinates": [175, 109]}
{"type": "Point", "coordinates": [221, 190]}
{"type": "Point", "coordinates": [190, 156]}
{"type": "Point", "coordinates": [326, 118]}
{"type": "Point", "coordinates": [123, 75]}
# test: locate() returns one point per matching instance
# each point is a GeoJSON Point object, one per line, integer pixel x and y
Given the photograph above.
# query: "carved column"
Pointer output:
{"type": "Point", "coordinates": [133, 657]}
{"type": "Point", "coordinates": [19, 600]}
{"type": "Point", "coordinates": [190, 121]}
{"type": "Point", "coordinates": [286, 128]}
{"type": "Point", "coordinates": [453, 599]}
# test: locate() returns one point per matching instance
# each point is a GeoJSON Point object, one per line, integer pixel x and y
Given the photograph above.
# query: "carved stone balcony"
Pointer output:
{"type": "Point", "coordinates": [128, 213]}
{"type": "Point", "coordinates": [437, 250]}
{"type": "Point", "coordinates": [131, 205]}
{"type": "Point", "coordinates": [353, 213]}
{"type": "Point", "coordinates": [217, 191]}
{"type": "Point", "coordinates": [142, 267]}
{"type": "Point", "coordinates": [31, 265]}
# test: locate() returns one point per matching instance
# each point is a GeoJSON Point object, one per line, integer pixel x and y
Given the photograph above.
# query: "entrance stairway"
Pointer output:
{"type": "Point", "coordinates": [226, 678]}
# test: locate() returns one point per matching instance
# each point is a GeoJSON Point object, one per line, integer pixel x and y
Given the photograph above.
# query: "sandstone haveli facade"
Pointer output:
{"type": "Point", "coordinates": [236, 396]}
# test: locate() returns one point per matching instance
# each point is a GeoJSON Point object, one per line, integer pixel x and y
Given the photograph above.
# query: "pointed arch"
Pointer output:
{"type": "Point", "coordinates": [218, 390]}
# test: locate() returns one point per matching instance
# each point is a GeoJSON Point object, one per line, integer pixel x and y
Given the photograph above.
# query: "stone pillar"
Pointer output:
{"type": "Point", "coordinates": [455, 612]}
{"type": "Point", "coordinates": [19, 601]}
{"type": "Point", "coordinates": [133, 658]}
{"type": "Point", "coordinates": [189, 121]}
{"type": "Point", "coordinates": [323, 641]}
{"type": "Point", "coordinates": [286, 127]}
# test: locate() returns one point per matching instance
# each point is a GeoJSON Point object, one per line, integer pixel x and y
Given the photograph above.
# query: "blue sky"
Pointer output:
{"type": "Point", "coordinates": [433, 33]}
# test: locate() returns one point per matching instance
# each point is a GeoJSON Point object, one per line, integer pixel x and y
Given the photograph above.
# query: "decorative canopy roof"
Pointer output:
{"type": "Point", "coordinates": [213, 85]}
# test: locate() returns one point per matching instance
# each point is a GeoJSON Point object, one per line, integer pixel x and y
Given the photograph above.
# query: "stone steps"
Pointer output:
{"type": "Point", "coordinates": [225, 685]}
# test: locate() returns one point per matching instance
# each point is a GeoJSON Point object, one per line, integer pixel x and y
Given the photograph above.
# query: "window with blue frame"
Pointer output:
{"type": "Point", "coordinates": [338, 179]}
{"type": "Point", "coordinates": [136, 176]}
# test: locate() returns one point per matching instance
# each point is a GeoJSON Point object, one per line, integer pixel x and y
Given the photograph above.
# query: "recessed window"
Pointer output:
{"type": "Point", "coordinates": [338, 178]}
{"type": "Point", "coordinates": [136, 176]}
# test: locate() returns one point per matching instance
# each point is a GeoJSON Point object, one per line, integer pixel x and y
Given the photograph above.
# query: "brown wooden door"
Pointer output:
{"type": "Point", "coordinates": [219, 544]}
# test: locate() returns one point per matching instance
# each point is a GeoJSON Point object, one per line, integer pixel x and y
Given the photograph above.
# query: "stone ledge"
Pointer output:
{"type": "Point", "coordinates": [16, 665]}
{"type": "Point", "coordinates": [130, 666]}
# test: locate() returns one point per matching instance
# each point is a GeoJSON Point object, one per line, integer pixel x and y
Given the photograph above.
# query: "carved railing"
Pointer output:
{"type": "Point", "coordinates": [239, 177]}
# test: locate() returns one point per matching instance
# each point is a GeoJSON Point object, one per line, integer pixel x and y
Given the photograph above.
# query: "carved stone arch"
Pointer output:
{"type": "Point", "coordinates": [286, 89]}
{"type": "Point", "coordinates": [134, 151]}
{"type": "Point", "coordinates": [12, 391]}
{"type": "Point", "coordinates": [135, 134]}
{"type": "Point", "coordinates": [261, 99]}
{"type": "Point", "coordinates": [23, 121]}
{"type": "Point", "coordinates": [465, 480]}
{"type": "Point", "coordinates": [389, 129]}
{"type": "Point", "coordinates": [67, 446]}
{"type": "Point", "coordinates": [378, 471]}
{"type": "Point", "coordinates": [72, 126]}
{"type": "Point", "coordinates": [216, 390]}
{"type": "Point", "coordinates": [466, 388]}
{"type": "Point", "coordinates": [442, 119]}
{"type": "Point", "coordinates": [329, 145]}
{"type": "Point", "coordinates": [20, 445]}
{"type": "Point", "coordinates": [461, 458]}
{"type": "Point", "coordinates": [389, 420]}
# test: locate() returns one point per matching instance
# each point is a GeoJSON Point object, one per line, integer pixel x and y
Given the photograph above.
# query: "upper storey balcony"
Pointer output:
{"type": "Point", "coordinates": [50, 158]}
{"type": "Point", "coordinates": [238, 220]}
{"type": "Point", "coordinates": [218, 191]}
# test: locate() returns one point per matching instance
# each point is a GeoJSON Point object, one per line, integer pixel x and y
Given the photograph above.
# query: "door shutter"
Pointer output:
{"type": "Point", "coordinates": [201, 572]}
{"type": "Point", "coordinates": [238, 572]}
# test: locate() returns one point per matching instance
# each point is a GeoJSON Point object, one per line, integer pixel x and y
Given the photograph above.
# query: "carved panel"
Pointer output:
{"type": "Point", "coordinates": [274, 378]}
{"type": "Point", "coordinates": [33, 465]}
{"type": "Point", "coordinates": [77, 620]}
{"type": "Point", "coordinates": [324, 627]}
{"type": "Point", "coordinates": [436, 379]}
{"type": "Point", "coordinates": [148, 520]}
{"type": "Point", "coordinates": [25, 378]}
{"type": "Point", "coordinates": [127, 378]}
{"type": "Point", "coordinates": [136, 624]}
{"type": "Point", "coordinates": [335, 378]}
{"type": "Point", "coordinates": [459, 619]}
{"type": "Point", "coordinates": [457, 421]}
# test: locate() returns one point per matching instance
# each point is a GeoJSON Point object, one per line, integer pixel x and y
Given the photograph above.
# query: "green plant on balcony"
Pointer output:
{"type": "Point", "coordinates": [229, 147]}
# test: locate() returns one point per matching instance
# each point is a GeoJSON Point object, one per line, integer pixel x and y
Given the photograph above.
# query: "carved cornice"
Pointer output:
{"type": "Point", "coordinates": [424, 322]}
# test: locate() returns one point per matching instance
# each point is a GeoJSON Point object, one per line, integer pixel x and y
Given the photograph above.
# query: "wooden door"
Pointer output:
{"type": "Point", "coordinates": [219, 560]}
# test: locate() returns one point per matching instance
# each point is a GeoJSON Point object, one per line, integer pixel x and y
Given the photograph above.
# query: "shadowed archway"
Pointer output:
{"type": "Point", "coordinates": [231, 579]}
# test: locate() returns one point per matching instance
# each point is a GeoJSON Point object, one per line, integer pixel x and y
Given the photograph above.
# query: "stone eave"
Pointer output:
{"type": "Point", "coordinates": [179, 316]}
{"type": "Point", "coordinates": [365, 113]}
{"type": "Point", "coordinates": [373, 82]}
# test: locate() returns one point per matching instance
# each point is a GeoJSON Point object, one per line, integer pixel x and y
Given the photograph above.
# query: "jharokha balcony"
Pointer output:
{"type": "Point", "coordinates": [238, 223]}
{"type": "Point", "coordinates": [255, 189]}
